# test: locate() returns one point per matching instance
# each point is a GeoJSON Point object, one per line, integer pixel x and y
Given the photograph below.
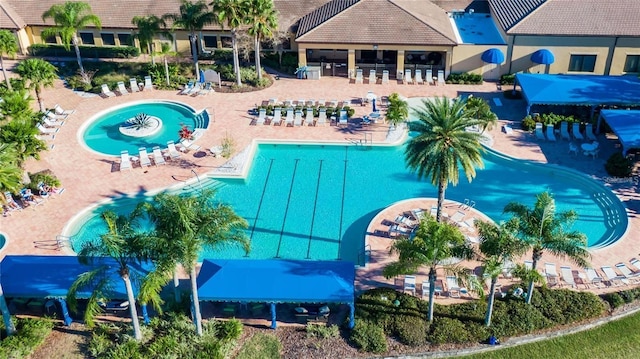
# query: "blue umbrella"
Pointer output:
{"type": "Point", "coordinates": [493, 56]}
{"type": "Point", "coordinates": [374, 105]}
{"type": "Point", "coordinates": [543, 56]}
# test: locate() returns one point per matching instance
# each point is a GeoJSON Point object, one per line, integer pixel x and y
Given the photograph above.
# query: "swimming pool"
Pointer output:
{"type": "Point", "coordinates": [101, 133]}
{"type": "Point", "coordinates": [316, 201]}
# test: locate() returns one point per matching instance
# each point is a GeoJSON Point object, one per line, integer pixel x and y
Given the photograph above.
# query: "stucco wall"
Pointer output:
{"type": "Point", "coordinates": [467, 58]}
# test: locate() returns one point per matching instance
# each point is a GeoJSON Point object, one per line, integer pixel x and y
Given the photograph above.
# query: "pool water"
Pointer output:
{"type": "Point", "coordinates": [476, 28]}
{"type": "Point", "coordinates": [316, 202]}
{"type": "Point", "coordinates": [102, 134]}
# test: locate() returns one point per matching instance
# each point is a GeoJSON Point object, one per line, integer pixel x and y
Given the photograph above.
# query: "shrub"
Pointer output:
{"type": "Point", "coordinates": [528, 123]}
{"type": "Point", "coordinates": [507, 79]}
{"type": "Point", "coordinates": [619, 166]}
{"type": "Point", "coordinates": [411, 330]}
{"type": "Point", "coordinates": [261, 346]}
{"type": "Point", "coordinates": [121, 52]}
{"type": "Point", "coordinates": [369, 337]}
{"type": "Point", "coordinates": [564, 306]}
{"type": "Point", "coordinates": [448, 330]}
{"type": "Point", "coordinates": [464, 78]}
{"type": "Point", "coordinates": [30, 334]}
{"type": "Point", "coordinates": [46, 177]}
{"type": "Point", "coordinates": [615, 300]}
{"type": "Point", "coordinates": [322, 331]}
{"type": "Point", "coordinates": [514, 317]}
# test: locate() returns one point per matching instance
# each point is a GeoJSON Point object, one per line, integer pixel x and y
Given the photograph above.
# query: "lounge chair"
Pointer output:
{"type": "Point", "coordinates": [322, 117]}
{"type": "Point", "coordinates": [195, 89]}
{"type": "Point", "coordinates": [372, 77]}
{"type": "Point", "coordinates": [407, 77]}
{"type": "Point", "coordinates": [125, 161]}
{"type": "Point", "coordinates": [188, 87]}
{"type": "Point", "coordinates": [385, 76]}
{"type": "Point", "coordinates": [627, 273]}
{"type": "Point", "coordinates": [30, 198]}
{"type": "Point", "coordinates": [528, 264]}
{"type": "Point", "coordinates": [399, 230]}
{"type": "Point", "coordinates": [148, 84]}
{"type": "Point", "coordinates": [158, 158]}
{"type": "Point", "coordinates": [273, 101]}
{"type": "Point", "coordinates": [52, 115]}
{"type": "Point", "coordinates": [188, 145]}
{"type": "Point", "coordinates": [262, 116]}
{"type": "Point", "coordinates": [289, 119]}
{"type": "Point", "coordinates": [458, 216]}
{"type": "Point", "coordinates": [47, 131]}
{"type": "Point", "coordinates": [144, 157]}
{"type": "Point", "coordinates": [428, 77]}
{"type": "Point", "coordinates": [588, 131]}
{"type": "Point", "coordinates": [322, 102]}
{"type": "Point", "coordinates": [277, 116]}
{"type": "Point", "coordinates": [636, 263]}
{"type": "Point", "coordinates": [344, 118]}
{"type": "Point", "coordinates": [359, 76]}
{"type": "Point", "coordinates": [417, 213]}
{"type": "Point", "coordinates": [575, 130]}
{"type": "Point", "coordinates": [419, 77]}
{"type": "Point", "coordinates": [206, 89]}
{"type": "Point", "coordinates": [301, 102]}
{"type": "Point", "coordinates": [333, 103]}
{"type": "Point", "coordinates": [288, 103]}
{"type": "Point", "coordinates": [539, 132]}
{"type": "Point", "coordinates": [593, 277]}
{"type": "Point", "coordinates": [550, 133]}
{"type": "Point", "coordinates": [121, 89]}
{"type": "Point", "coordinates": [133, 85]}
{"type": "Point", "coordinates": [551, 273]}
{"type": "Point", "coordinates": [311, 103]}
{"type": "Point", "coordinates": [51, 123]}
{"type": "Point", "coordinates": [425, 289]}
{"type": "Point", "coordinates": [11, 203]}
{"type": "Point", "coordinates": [441, 77]}
{"type": "Point", "coordinates": [297, 121]}
{"type": "Point", "coordinates": [106, 92]}
{"type": "Point", "coordinates": [410, 284]}
{"type": "Point", "coordinates": [453, 288]}
{"type": "Point", "coordinates": [58, 110]}
{"type": "Point", "coordinates": [308, 120]}
{"type": "Point", "coordinates": [172, 152]}
{"type": "Point", "coordinates": [613, 278]}
{"type": "Point", "coordinates": [564, 131]}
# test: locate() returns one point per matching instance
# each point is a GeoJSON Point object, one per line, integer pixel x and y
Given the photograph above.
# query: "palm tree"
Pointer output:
{"type": "Point", "coordinates": [37, 73]}
{"type": "Point", "coordinates": [397, 110]}
{"type": "Point", "coordinates": [263, 22]}
{"type": "Point", "coordinates": [184, 225]}
{"type": "Point", "coordinates": [192, 17]}
{"type": "Point", "coordinates": [8, 46]}
{"type": "Point", "coordinates": [21, 133]}
{"type": "Point", "coordinates": [147, 28]}
{"type": "Point", "coordinates": [16, 104]}
{"type": "Point", "coordinates": [232, 13]}
{"type": "Point", "coordinates": [479, 109]}
{"type": "Point", "coordinates": [10, 173]}
{"type": "Point", "coordinates": [127, 246]}
{"type": "Point", "coordinates": [166, 51]}
{"type": "Point", "coordinates": [498, 244]}
{"type": "Point", "coordinates": [443, 145]}
{"type": "Point", "coordinates": [431, 246]}
{"type": "Point", "coordinates": [69, 18]}
{"type": "Point", "coordinates": [542, 229]}
{"type": "Point", "coordinates": [6, 315]}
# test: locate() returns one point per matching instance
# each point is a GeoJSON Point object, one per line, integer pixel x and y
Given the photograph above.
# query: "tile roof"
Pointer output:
{"type": "Point", "coordinates": [510, 12]}
{"type": "Point", "coordinates": [291, 11]}
{"type": "Point", "coordinates": [321, 14]}
{"type": "Point", "coordinates": [9, 19]}
{"type": "Point", "coordinates": [400, 22]}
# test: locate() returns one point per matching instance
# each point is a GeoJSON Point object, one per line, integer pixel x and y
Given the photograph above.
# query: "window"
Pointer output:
{"type": "Point", "coordinates": [125, 39]}
{"type": "Point", "coordinates": [226, 42]}
{"type": "Point", "coordinates": [582, 63]}
{"type": "Point", "coordinates": [87, 38]}
{"type": "Point", "coordinates": [50, 40]}
{"type": "Point", "coordinates": [210, 41]}
{"type": "Point", "coordinates": [632, 64]}
{"type": "Point", "coordinates": [108, 39]}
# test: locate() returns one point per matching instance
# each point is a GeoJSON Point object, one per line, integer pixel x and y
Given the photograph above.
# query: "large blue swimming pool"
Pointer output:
{"type": "Point", "coordinates": [315, 202]}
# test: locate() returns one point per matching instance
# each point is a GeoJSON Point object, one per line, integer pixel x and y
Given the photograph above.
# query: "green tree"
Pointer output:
{"type": "Point", "coordinates": [542, 229]}
{"type": "Point", "coordinates": [8, 46]}
{"type": "Point", "coordinates": [431, 246]}
{"type": "Point", "coordinates": [166, 51]}
{"type": "Point", "coordinates": [127, 246]}
{"type": "Point", "coordinates": [186, 224]}
{"type": "Point", "coordinates": [479, 109]}
{"type": "Point", "coordinates": [147, 28]}
{"type": "Point", "coordinates": [21, 133]}
{"type": "Point", "coordinates": [232, 13]}
{"type": "Point", "coordinates": [192, 17]}
{"type": "Point", "coordinates": [16, 104]}
{"type": "Point", "coordinates": [263, 22]}
{"type": "Point", "coordinates": [397, 110]}
{"type": "Point", "coordinates": [498, 245]}
{"type": "Point", "coordinates": [37, 74]}
{"type": "Point", "coordinates": [10, 172]}
{"type": "Point", "coordinates": [69, 18]}
{"type": "Point", "coordinates": [443, 145]}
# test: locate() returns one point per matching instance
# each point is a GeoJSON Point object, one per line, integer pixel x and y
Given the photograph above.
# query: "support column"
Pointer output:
{"type": "Point", "coordinates": [400, 64]}
{"type": "Point", "coordinates": [274, 323]}
{"type": "Point", "coordinates": [352, 319]}
{"type": "Point", "coordinates": [351, 63]}
{"type": "Point", "coordinates": [448, 63]}
{"type": "Point", "coordinates": [302, 57]}
{"type": "Point", "coordinates": [65, 312]}
{"type": "Point", "coordinates": [145, 314]}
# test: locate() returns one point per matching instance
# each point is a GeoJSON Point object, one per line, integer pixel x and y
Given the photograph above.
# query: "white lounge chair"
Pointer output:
{"type": "Point", "coordinates": [262, 116]}
{"type": "Point", "coordinates": [125, 161]}
{"type": "Point", "coordinates": [188, 145]}
{"type": "Point", "coordinates": [58, 110]}
{"type": "Point", "coordinates": [195, 89]}
{"type": "Point", "coordinates": [359, 76]}
{"type": "Point", "coordinates": [458, 216]}
{"type": "Point", "coordinates": [144, 157]}
{"type": "Point", "coordinates": [425, 289]}
{"type": "Point", "coordinates": [419, 77]}
{"type": "Point", "coordinates": [106, 92]}
{"type": "Point", "coordinates": [588, 131]}
{"type": "Point", "coordinates": [441, 77]}
{"type": "Point", "coordinates": [273, 101]}
{"type": "Point", "coordinates": [53, 116]}
{"type": "Point", "coordinates": [121, 89]}
{"type": "Point", "coordinates": [172, 152]}
{"type": "Point", "coordinates": [311, 103]}
{"type": "Point", "coordinates": [428, 77]}
{"type": "Point", "coordinates": [51, 123]}
{"type": "Point", "coordinates": [344, 118]}
{"type": "Point", "coordinates": [148, 84]}
{"type": "Point", "coordinates": [277, 116]}
{"type": "Point", "coordinates": [539, 132]}
{"type": "Point", "coordinates": [575, 130]}
{"type": "Point", "coordinates": [593, 277]}
{"type": "Point", "coordinates": [297, 121]}
{"type": "Point", "coordinates": [372, 77]}
{"type": "Point", "coordinates": [158, 158]}
{"type": "Point", "coordinates": [636, 263]}
{"type": "Point", "coordinates": [385, 76]}
{"type": "Point", "coordinates": [410, 284]}
{"type": "Point", "coordinates": [627, 273]}
{"type": "Point", "coordinates": [564, 131]}
{"type": "Point", "coordinates": [188, 87]}
{"type": "Point", "coordinates": [206, 89]}
{"type": "Point", "coordinates": [308, 120]}
{"type": "Point", "coordinates": [407, 77]}
{"type": "Point", "coordinates": [550, 133]}
{"type": "Point", "coordinates": [453, 288]}
{"type": "Point", "coordinates": [289, 119]}
{"type": "Point", "coordinates": [551, 273]}
{"type": "Point", "coordinates": [301, 102]}
{"type": "Point", "coordinates": [133, 85]}
{"type": "Point", "coordinates": [46, 131]}
{"type": "Point", "coordinates": [322, 117]}
{"type": "Point", "coordinates": [288, 103]}
{"type": "Point", "coordinates": [612, 277]}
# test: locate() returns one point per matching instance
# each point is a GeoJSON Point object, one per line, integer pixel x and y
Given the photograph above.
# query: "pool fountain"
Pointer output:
{"type": "Point", "coordinates": [141, 125]}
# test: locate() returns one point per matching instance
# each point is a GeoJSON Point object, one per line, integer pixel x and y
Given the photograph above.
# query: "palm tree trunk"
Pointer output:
{"type": "Point", "coordinates": [40, 102]}
{"type": "Point", "coordinates": [441, 189]}
{"type": "Point", "coordinates": [4, 72]}
{"type": "Point", "coordinates": [530, 287]}
{"type": "Point", "coordinates": [197, 317]}
{"type": "Point", "coordinates": [194, 54]}
{"type": "Point", "coordinates": [132, 308]}
{"type": "Point", "coordinates": [166, 70]}
{"type": "Point", "coordinates": [257, 47]}
{"type": "Point", "coordinates": [176, 286]}
{"type": "Point", "coordinates": [236, 60]}
{"type": "Point", "coordinates": [83, 74]}
{"type": "Point", "coordinates": [150, 49]}
{"type": "Point", "coordinates": [487, 319]}
{"type": "Point", "coordinates": [6, 315]}
{"type": "Point", "coordinates": [432, 292]}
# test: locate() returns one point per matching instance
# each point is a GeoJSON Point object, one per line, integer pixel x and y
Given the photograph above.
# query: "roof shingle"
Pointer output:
{"type": "Point", "coordinates": [510, 12]}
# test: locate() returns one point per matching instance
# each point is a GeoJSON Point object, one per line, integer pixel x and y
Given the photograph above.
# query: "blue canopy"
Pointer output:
{"type": "Point", "coordinates": [276, 281]}
{"type": "Point", "coordinates": [543, 56]}
{"type": "Point", "coordinates": [51, 276]}
{"type": "Point", "coordinates": [493, 56]}
{"type": "Point", "coordinates": [626, 125]}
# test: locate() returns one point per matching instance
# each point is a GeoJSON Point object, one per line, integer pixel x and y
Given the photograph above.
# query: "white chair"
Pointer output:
{"type": "Point", "coordinates": [407, 76]}
{"type": "Point", "coordinates": [297, 120]}
{"type": "Point", "coordinates": [133, 85]}
{"type": "Point", "coordinates": [372, 77]}
{"type": "Point", "coordinates": [593, 277]}
{"type": "Point", "coordinates": [428, 77]}
{"type": "Point", "coordinates": [144, 157]}
{"type": "Point", "coordinates": [53, 116]}
{"type": "Point", "coordinates": [458, 216]}
{"type": "Point", "coordinates": [289, 119]}
{"type": "Point", "coordinates": [627, 273]}
{"type": "Point", "coordinates": [359, 77]}
{"type": "Point", "coordinates": [172, 152]}
{"type": "Point", "coordinates": [410, 284]}
{"type": "Point", "coordinates": [125, 161]}
{"type": "Point", "coordinates": [441, 77]}
{"type": "Point", "coordinates": [425, 289]}
{"type": "Point", "coordinates": [121, 89]}
{"type": "Point", "coordinates": [58, 110]}
{"type": "Point", "coordinates": [636, 263]}
{"type": "Point", "coordinates": [148, 84]}
{"type": "Point", "coordinates": [452, 287]}
{"type": "Point", "coordinates": [343, 119]}
{"type": "Point", "coordinates": [277, 116]}
{"type": "Point", "coordinates": [106, 92]}
{"type": "Point", "coordinates": [262, 116]}
{"type": "Point", "coordinates": [589, 132]}
{"type": "Point", "coordinates": [195, 89]}
{"type": "Point", "coordinates": [46, 131]}
{"type": "Point", "coordinates": [419, 77]}
{"type": "Point", "coordinates": [322, 117]}
{"type": "Point", "coordinates": [564, 131]}
{"type": "Point", "coordinates": [539, 133]}
{"type": "Point", "coordinates": [188, 87]}
{"type": "Point", "coordinates": [188, 145]}
{"type": "Point", "coordinates": [158, 158]}
{"type": "Point", "coordinates": [205, 90]}
{"type": "Point", "coordinates": [385, 76]}
{"type": "Point", "coordinates": [550, 133]}
{"type": "Point", "coordinates": [51, 123]}
{"type": "Point", "coordinates": [308, 120]}
{"type": "Point", "coordinates": [273, 101]}
{"type": "Point", "coordinates": [551, 273]}
{"type": "Point", "coordinates": [612, 277]}
{"type": "Point", "coordinates": [575, 130]}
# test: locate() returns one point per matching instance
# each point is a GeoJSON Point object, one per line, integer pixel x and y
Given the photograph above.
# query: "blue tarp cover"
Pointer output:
{"type": "Point", "coordinates": [51, 276]}
{"type": "Point", "coordinates": [280, 281]}
{"type": "Point", "coordinates": [542, 89]}
{"type": "Point", "coordinates": [625, 124]}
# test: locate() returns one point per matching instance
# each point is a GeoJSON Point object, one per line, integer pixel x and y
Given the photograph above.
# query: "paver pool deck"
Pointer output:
{"type": "Point", "coordinates": [89, 178]}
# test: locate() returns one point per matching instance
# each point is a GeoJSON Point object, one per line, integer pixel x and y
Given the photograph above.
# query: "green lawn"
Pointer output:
{"type": "Point", "coordinates": [618, 339]}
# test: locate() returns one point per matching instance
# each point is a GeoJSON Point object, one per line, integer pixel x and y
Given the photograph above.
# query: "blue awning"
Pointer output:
{"type": "Point", "coordinates": [626, 125]}
{"type": "Point", "coordinates": [493, 56]}
{"type": "Point", "coordinates": [543, 56]}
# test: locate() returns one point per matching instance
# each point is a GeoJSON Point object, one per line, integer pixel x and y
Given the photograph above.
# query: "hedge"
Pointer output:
{"type": "Point", "coordinates": [120, 52]}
